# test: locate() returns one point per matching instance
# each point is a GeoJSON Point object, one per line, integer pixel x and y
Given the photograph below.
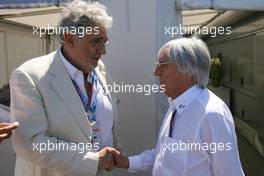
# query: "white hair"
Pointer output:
{"type": "Point", "coordinates": [81, 13]}
{"type": "Point", "coordinates": [191, 56]}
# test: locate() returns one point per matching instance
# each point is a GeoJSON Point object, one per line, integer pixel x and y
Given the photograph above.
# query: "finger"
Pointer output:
{"type": "Point", "coordinates": [5, 130]}
{"type": "Point", "coordinates": [109, 149]}
{"type": "Point", "coordinates": [5, 135]}
{"type": "Point", "coordinates": [6, 124]}
{"type": "Point", "coordinates": [15, 124]}
{"type": "Point", "coordinates": [110, 158]}
{"type": "Point", "coordinates": [110, 167]}
{"type": "Point", "coordinates": [9, 126]}
{"type": "Point", "coordinates": [114, 151]}
{"type": "Point", "coordinates": [8, 135]}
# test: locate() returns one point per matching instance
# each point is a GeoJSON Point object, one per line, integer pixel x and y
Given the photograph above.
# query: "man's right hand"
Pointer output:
{"type": "Point", "coordinates": [120, 160]}
{"type": "Point", "coordinates": [106, 159]}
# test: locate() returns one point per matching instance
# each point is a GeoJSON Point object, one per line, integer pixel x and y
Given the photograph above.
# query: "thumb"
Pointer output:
{"type": "Point", "coordinates": [114, 151]}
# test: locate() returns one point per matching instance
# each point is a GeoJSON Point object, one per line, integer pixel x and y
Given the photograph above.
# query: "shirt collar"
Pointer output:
{"type": "Point", "coordinates": [181, 102]}
{"type": "Point", "coordinates": [73, 71]}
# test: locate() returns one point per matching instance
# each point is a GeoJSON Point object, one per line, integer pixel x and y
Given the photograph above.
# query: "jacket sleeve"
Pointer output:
{"type": "Point", "coordinates": [31, 140]}
{"type": "Point", "coordinates": [142, 162]}
{"type": "Point", "coordinates": [115, 99]}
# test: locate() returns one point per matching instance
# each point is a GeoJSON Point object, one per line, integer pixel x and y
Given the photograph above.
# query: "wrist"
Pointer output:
{"type": "Point", "coordinates": [126, 166]}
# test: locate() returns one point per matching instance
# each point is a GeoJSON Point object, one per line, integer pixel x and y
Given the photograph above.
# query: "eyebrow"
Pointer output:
{"type": "Point", "coordinates": [100, 38]}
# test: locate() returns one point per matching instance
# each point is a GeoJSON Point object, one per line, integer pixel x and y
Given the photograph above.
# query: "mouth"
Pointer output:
{"type": "Point", "coordinates": [96, 58]}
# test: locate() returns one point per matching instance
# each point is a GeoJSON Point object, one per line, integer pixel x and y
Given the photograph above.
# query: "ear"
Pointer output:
{"type": "Point", "coordinates": [69, 39]}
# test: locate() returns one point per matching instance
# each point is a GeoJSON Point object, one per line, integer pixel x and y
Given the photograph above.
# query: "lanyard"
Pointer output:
{"type": "Point", "coordinates": [89, 101]}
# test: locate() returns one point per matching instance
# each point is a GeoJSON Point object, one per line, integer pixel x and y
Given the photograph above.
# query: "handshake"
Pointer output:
{"type": "Point", "coordinates": [110, 158]}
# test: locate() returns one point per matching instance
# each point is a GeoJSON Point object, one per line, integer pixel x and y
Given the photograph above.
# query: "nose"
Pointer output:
{"type": "Point", "coordinates": [156, 71]}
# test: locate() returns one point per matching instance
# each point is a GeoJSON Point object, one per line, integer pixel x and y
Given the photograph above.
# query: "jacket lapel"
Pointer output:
{"type": "Point", "coordinates": [102, 80]}
{"type": "Point", "coordinates": [64, 87]}
{"type": "Point", "coordinates": [105, 80]}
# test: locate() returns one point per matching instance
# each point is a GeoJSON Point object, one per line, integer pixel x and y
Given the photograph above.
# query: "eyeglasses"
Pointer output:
{"type": "Point", "coordinates": [98, 42]}
{"type": "Point", "coordinates": [162, 63]}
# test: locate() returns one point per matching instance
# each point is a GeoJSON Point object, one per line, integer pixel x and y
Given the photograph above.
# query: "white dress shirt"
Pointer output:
{"type": "Point", "coordinates": [203, 141]}
{"type": "Point", "coordinates": [104, 110]}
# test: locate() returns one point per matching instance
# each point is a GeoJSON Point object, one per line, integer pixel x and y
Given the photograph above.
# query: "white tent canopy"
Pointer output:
{"type": "Point", "coordinates": [249, 5]}
{"type": "Point", "coordinates": [11, 4]}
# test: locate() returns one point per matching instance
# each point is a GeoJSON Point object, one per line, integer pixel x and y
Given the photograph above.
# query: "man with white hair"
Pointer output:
{"type": "Point", "coordinates": [67, 116]}
{"type": "Point", "coordinates": [197, 136]}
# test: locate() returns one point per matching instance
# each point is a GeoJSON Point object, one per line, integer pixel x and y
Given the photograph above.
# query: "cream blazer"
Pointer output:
{"type": "Point", "coordinates": [48, 109]}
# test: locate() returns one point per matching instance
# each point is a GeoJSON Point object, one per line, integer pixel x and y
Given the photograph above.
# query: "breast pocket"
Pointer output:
{"type": "Point", "coordinates": [170, 160]}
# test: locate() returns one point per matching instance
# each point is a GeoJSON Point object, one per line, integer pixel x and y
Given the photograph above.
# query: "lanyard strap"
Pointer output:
{"type": "Point", "coordinates": [89, 101]}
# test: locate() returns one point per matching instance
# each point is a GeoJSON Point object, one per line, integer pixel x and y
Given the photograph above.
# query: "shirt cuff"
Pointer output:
{"type": "Point", "coordinates": [91, 161]}
{"type": "Point", "coordinates": [134, 164]}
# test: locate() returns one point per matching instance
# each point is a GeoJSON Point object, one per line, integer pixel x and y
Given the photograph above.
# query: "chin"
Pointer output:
{"type": "Point", "coordinates": [167, 94]}
{"type": "Point", "coordinates": [94, 65]}
{"type": "Point", "coordinates": [95, 62]}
